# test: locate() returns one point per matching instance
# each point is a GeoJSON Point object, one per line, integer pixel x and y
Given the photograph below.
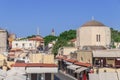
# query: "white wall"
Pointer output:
{"type": "Point", "coordinates": [27, 44]}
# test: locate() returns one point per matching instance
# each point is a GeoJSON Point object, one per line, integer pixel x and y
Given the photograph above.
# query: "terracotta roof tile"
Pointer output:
{"type": "Point", "coordinates": [15, 50]}
{"type": "Point", "coordinates": [37, 38]}
{"type": "Point", "coordinates": [19, 65]}
{"type": "Point", "coordinates": [71, 60]}
{"type": "Point", "coordinates": [61, 57]}
{"type": "Point", "coordinates": [83, 64]}
{"type": "Point", "coordinates": [40, 65]}
{"type": "Point", "coordinates": [93, 23]}
{"type": "Point", "coordinates": [34, 65]}
{"type": "Point", "coordinates": [11, 55]}
{"type": "Point", "coordinates": [73, 40]}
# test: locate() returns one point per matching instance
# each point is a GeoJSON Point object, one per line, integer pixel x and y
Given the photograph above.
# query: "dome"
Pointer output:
{"type": "Point", "coordinates": [93, 23]}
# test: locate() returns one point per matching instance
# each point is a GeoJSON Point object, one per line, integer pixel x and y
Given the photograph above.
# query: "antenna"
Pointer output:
{"type": "Point", "coordinates": [93, 18]}
{"type": "Point", "coordinates": [38, 31]}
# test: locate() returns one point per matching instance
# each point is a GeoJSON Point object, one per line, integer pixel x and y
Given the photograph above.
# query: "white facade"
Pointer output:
{"type": "Point", "coordinates": [93, 33]}
{"type": "Point", "coordinates": [117, 45]}
{"type": "Point", "coordinates": [24, 44]}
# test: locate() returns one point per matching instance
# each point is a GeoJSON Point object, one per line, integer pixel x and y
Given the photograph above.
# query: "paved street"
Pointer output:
{"type": "Point", "coordinates": [62, 76]}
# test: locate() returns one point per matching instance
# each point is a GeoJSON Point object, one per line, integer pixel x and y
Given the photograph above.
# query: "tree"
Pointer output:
{"type": "Point", "coordinates": [115, 35]}
{"type": "Point", "coordinates": [63, 40]}
{"type": "Point", "coordinates": [49, 39]}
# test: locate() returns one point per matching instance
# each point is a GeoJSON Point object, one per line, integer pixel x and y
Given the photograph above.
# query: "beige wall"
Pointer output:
{"type": "Point", "coordinates": [87, 36]}
{"type": "Point", "coordinates": [3, 41]}
{"type": "Point", "coordinates": [101, 70]}
{"type": "Point", "coordinates": [66, 50]}
{"type": "Point", "coordinates": [41, 58]}
{"type": "Point", "coordinates": [110, 61]}
{"type": "Point", "coordinates": [117, 45]}
{"type": "Point", "coordinates": [2, 58]}
{"type": "Point", "coordinates": [84, 56]}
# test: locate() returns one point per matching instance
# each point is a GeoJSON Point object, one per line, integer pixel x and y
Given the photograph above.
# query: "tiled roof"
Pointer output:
{"type": "Point", "coordinates": [40, 65]}
{"type": "Point", "coordinates": [34, 65]}
{"type": "Point", "coordinates": [83, 64]}
{"type": "Point", "coordinates": [71, 60]}
{"type": "Point", "coordinates": [61, 57]}
{"type": "Point", "coordinates": [11, 55]}
{"type": "Point", "coordinates": [19, 65]}
{"type": "Point", "coordinates": [73, 40]}
{"type": "Point", "coordinates": [93, 23]}
{"type": "Point", "coordinates": [37, 38]}
{"type": "Point", "coordinates": [15, 50]}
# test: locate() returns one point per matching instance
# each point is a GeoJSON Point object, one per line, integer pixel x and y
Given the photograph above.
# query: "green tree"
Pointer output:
{"type": "Point", "coordinates": [63, 40]}
{"type": "Point", "coordinates": [115, 35]}
{"type": "Point", "coordinates": [49, 39]}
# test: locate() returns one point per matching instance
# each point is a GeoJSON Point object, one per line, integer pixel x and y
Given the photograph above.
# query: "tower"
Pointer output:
{"type": "Point", "coordinates": [38, 31]}
{"type": "Point", "coordinates": [53, 32]}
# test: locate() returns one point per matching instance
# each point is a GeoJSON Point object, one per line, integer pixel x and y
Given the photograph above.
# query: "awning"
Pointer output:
{"type": "Point", "coordinates": [81, 69]}
{"type": "Point", "coordinates": [106, 53]}
{"type": "Point", "coordinates": [41, 69]}
{"type": "Point", "coordinates": [73, 67]}
{"type": "Point", "coordinates": [68, 63]}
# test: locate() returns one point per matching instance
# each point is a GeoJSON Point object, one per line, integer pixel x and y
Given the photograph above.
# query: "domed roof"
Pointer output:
{"type": "Point", "coordinates": [93, 23]}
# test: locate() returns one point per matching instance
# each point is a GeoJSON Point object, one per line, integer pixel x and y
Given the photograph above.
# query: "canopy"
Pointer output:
{"type": "Point", "coordinates": [41, 69]}
{"type": "Point", "coordinates": [73, 67]}
{"type": "Point", "coordinates": [81, 69]}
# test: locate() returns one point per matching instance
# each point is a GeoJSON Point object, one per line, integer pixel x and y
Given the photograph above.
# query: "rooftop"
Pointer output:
{"type": "Point", "coordinates": [93, 23]}
{"type": "Point", "coordinates": [34, 65]}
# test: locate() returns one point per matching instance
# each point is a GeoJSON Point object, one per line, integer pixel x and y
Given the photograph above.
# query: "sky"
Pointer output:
{"type": "Point", "coordinates": [23, 17]}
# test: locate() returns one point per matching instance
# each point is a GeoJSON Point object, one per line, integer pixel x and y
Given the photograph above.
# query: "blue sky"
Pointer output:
{"type": "Point", "coordinates": [23, 17]}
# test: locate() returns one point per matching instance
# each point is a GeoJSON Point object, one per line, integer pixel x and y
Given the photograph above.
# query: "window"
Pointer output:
{"type": "Point", "coordinates": [30, 44]}
{"type": "Point", "coordinates": [81, 58]}
{"type": "Point", "coordinates": [23, 44]}
{"type": "Point", "coordinates": [16, 44]}
{"type": "Point", "coordinates": [98, 37]}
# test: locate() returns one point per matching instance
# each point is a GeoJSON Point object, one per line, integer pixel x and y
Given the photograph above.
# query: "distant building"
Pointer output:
{"type": "Point", "coordinates": [37, 71]}
{"type": "Point", "coordinates": [32, 43]}
{"type": "Point", "coordinates": [3, 40]}
{"type": "Point", "coordinates": [53, 32]}
{"type": "Point", "coordinates": [93, 33]}
{"type": "Point", "coordinates": [11, 38]}
{"type": "Point", "coordinates": [66, 51]}
{"type": "Point", "coordinates": [117, 45]}
{"type": "Point", "coordinates": [24, 44]}
{"type": "Point", "coordinates": [73, 42]}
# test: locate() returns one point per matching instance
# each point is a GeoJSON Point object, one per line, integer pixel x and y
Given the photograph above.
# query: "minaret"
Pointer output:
{"type": "Point", "coordinates": [93, 18]}
{"type": "Point", "coordinates": [53, 32]}
{"type": "Point", "coordinates": [38, 31]}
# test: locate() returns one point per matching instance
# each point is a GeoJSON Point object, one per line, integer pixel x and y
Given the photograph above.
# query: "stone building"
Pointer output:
{"type": "Point", "coordinates": [3, 40]}
{"type": "Point", "coordinates": [93, 33]}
